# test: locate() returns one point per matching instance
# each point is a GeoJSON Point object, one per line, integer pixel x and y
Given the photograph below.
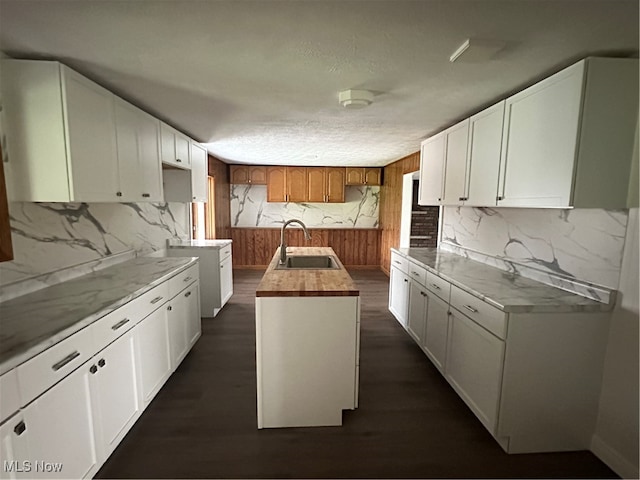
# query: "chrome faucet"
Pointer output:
{"type": "Point", "coordinates": [283, 245]}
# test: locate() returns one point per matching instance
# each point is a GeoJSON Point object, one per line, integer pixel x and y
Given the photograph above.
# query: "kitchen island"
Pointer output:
{"type": "Point", "coordinates": [307, 343]}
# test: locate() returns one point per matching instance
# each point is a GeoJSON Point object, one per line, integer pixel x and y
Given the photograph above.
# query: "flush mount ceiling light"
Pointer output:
{"type": "Point", "coordinates": [354, 99]}
{"type": "Point", "coordinates": [475, 50]}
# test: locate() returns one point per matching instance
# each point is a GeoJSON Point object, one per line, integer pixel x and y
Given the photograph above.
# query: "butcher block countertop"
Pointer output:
{"type": "Point", "coordinates": [306, 282]}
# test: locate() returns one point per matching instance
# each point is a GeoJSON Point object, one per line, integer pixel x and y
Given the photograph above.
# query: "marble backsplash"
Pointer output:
{"type": "Point", "coordinates": [50, 237]}
{"type": "Point", "coordinates": [250, 209]}
{"type": "Point", "coordinates": [577, 249]}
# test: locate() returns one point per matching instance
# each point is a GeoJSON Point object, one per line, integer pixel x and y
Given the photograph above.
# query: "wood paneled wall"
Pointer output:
{"type": "Point", "coordinates": [391, 205]}
{"type": "Point", "coordinates": [254, 247]}
{"type": "Point", "coordinates": [222, 202]}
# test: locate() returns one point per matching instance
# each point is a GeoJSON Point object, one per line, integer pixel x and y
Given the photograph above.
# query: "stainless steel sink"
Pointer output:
{"type": "Point", "coordinates": [309, 262]}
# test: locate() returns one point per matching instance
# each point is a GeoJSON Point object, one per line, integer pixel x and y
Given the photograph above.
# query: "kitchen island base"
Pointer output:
{"type": "Point", "coordinates": [307, 360]}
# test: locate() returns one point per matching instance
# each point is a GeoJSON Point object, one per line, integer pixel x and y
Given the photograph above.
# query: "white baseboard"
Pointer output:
{"type": "Point", "coordinates": [613, 459]}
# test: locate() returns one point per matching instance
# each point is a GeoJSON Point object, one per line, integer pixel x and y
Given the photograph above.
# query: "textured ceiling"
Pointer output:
{"type": "Point", "coordinates": [257, 82]}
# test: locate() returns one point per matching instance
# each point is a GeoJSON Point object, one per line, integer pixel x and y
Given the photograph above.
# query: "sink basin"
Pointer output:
{"type": "Point", "coordinates": [310, 262]}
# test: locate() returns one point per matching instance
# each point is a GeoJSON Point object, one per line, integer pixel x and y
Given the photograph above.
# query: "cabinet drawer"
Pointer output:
{"type": "Point", "coordinates": [9, 397]}
{"type": "Point", "coordinates": [400, 262]}
{"type": "Point", "coordinates": [438, 286]}
{"type": "Point", "coordinates": [417, 273]}
{"type": "Point", "coordinates": [182, 280]}
{"type": "Point", "coordinates": [225, 252]}
{"type": "Point", "coordinates": [46, 369]}
{"type": "Point", "coordinates": [482, 313]}
{"type": "Point", "coordinates": [114, 324]}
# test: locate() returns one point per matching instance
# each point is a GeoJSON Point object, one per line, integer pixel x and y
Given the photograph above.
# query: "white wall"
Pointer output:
{"type": "Point", "coordinates": [616, 437]}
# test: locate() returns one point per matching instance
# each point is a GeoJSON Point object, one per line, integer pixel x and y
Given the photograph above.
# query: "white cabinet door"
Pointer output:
{"type": "Point", "coordinates": [194, 322]}
{"type": "Point", "coordinates": [539, 141]}
{"type": "Point", "coordinates": [91, 138]}
{"type": "Point", "coordinates": [456, 164]}
{"type": "Point", "coordinates": [139, 164]}
{"type": "Point", "coordinates": [475, 360]}
{"type": "Point", "coordinates": [226, 280]}
{"type": "Point", "coordinates": [399, 295]}
{"type": "Point", "coordinates": [432, 154]}
{"type": "Point", "coordinates": [199, 166]}
{"type": "Point", "coordinates": [177, 318]}
{"type": "Point", "coordinates": [152, 353]}
{"type": "Point", "coordinates": [174, 147]}
{"type": "Point", "coordinates": [60, 425]}
{"type": "Point", "coordinates": [435, 338]}
{"type": "Point", "coordinates": [14, 449]}
{"type": "Point", "coordinates": [417, 311]}
{"type": "Point", "coordinates": [114, 393]}
{"type": "Point", "coordinates": [485, 140]}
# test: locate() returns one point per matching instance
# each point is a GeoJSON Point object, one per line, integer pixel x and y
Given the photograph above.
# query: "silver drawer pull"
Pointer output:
{"type": "Point", "coordinates": [470, 308]}
{"type": "Point", "coordinates": [435, 286]}
{"type": "Point", "coordinates": [187, 279]}
{"type": "Point", "coordinates": [119, 324]}
{"type": "Point", "coordinates": [65, 360]}
{"type": "Point", "coordinates": [415, 273]}
{"type": "Point", "coordinates": [156, 300]}
{"type": "Point", "coordinates": [188, 294]}
{"type": "Point", "coordinates": [398, 262]}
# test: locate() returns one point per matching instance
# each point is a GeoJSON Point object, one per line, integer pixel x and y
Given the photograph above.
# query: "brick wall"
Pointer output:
{"type": "Point", "coordinates": [424, 223]}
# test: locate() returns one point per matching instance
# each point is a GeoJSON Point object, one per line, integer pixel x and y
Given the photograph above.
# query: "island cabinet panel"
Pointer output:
{"type": "Point", "coordinates": [254, 247]}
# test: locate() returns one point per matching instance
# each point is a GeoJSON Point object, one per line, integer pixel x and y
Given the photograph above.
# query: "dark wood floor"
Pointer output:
{"type": "Point", "coordinates": [410, 423]}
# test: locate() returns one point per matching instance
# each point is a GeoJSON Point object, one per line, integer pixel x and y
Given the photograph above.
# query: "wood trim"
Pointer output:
{"type": "Point", "coordinates": [254, 247]}
{"type": "Point", "coordinates": [222, 198]}
{"type": "Point", "coordinates": [391, 205]}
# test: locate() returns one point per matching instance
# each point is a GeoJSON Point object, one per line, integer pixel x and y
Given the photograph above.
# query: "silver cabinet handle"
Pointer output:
{"type": "Point", "coordinates": [156, 300]}
{"type": "Point", "coordinates": [116, 326]}
{"type": "Point", "coordinates": [146, 195]}
{"type": "Point", "coordinates": [187, 279]}
{"type": "Point", "coordinates": [178, 160]}
{"type": "Point", "coordinates": [435, 286]}
{"type": "Point", "coordinates": [405, 280]}
{"type": "Point", "coordinates": [398, 262]}
{"type": "Point", "coordinates": [415, 273]}
{"type": "Point", "coordinates": [169, 308]}
{"type": "Point", "coordinates": [188, 294]}
{"type": "Point", "coordinates": [470, 308]}
{"type": "Point", "coordinates": [65, 360]}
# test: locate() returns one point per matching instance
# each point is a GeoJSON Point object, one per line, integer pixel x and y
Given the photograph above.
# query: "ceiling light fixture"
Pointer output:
{"type": "Point", "coordinates": [353, 99]}
{"type": "Point", "coordinates": [474, 50]}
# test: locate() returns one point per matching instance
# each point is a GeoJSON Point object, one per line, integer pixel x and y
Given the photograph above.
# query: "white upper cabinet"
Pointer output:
{"type": "Point", "coordinates": [568, 140]}
{"type": "Point", "coordinates": [175, 147]}
{"type": "Point", "coordinates": [139, 166]}
{"type": "Point", "coordinates": [432, 154]}
{"type": "Point", "coordinates": [199, 170]}
{"type": "Point", "coordinates": [485, 141]}
{"type": "Point", "coordinates": [456, 161]}
{"type": "Point", "coordinates": [60, 134]}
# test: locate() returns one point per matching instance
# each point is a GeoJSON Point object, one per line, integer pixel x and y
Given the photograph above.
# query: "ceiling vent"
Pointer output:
{"type": "Point", "coordinates": [353, 99]}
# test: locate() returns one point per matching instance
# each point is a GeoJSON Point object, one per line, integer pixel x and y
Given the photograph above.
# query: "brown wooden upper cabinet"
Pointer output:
{"type": "Point", "coordinates": [325, 184]}
{"type": "Point", "coordinates": [286, 184]}
{"type": "Point", "coordinates": [363, 176]}
{"type": "Point", "coordinates": [305, 184]}
{"type": "Point", "coordinates": [242, 174]}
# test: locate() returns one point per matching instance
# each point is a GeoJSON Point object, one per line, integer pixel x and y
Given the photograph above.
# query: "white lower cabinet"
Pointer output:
{"type": "Point", "coordinates": [60, 428]}
{"type": "Point", "coordinates": [474, 364]}
{"type": "Point", "coordinates": [436, 330]}
{"type": "Point", "coordinates": [399, 295]}
{"type": "Point", "coordinates": [152, 352]}
{"type": "Point", "coordinates": [417, 311]}
{"type": "Point", "coordinates": [114, 393]}
{"type": "Point", "coordinates": [226, 280]}
{"type": "Point", "coordinates": [66, 410]}
{"type": "Point", "coordinates": [14, 448]}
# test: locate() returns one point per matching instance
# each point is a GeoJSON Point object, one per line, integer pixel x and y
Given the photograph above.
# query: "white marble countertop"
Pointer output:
{"type": "Point", "coordinates": [31, 323]}
{"type": "Point", "coordinates": [198, 243]}
{"type": "Point", "coordinates": [507, 291]}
